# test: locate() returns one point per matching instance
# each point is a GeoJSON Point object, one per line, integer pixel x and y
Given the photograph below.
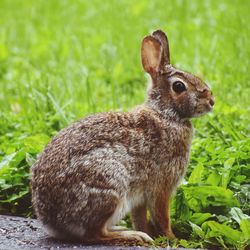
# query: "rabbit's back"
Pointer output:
{"type": "Point", "coordinates": [118, 133]}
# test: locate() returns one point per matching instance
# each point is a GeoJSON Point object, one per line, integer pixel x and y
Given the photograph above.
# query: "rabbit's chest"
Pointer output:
{"type": "Point", "coordinates": [173, 155]}
{"type": "Point", "coordinates": [176, 142]}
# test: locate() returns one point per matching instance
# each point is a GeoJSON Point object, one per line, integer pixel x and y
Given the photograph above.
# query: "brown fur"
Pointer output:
{"type": "Point", "coordinates": [100, 168]}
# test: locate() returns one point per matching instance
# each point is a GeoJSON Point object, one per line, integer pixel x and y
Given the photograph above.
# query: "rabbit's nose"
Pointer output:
{"type": "Point", "coordinates": [211, 102]}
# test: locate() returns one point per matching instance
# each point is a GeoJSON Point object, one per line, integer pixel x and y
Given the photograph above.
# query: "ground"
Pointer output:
{"type": "Point", "coordinates": [22, 233]}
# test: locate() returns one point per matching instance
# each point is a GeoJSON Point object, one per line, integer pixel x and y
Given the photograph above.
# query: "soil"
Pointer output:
{"type": "Point", "coordinates": [17, 233]}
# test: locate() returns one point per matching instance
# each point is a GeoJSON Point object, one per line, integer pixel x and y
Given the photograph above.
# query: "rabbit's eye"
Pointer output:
{"type": "Point", "coordinates": [179, 87]}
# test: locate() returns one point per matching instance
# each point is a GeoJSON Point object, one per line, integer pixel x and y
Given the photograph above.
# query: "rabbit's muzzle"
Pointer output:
{"type": "Point", "coordinates": [205, 102]}
{"type": "Point", "coordinates": [209, 99]}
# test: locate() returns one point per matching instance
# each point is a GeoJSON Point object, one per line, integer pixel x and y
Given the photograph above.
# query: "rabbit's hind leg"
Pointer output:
{"type": "Point", "coordinates": [113, 235]}
{"type": "Point", "coordinates": [124, 238]}
{"type": "Point", "coordinates": [107, 234]}
{"type": "Point", "coordinates": [117, 228]}
{"type": "Point", "coordinates": [119, 236]}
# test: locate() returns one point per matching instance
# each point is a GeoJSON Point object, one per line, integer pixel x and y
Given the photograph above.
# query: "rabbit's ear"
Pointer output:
{"type": "Point", "coordinates": [151, 54]}
{"type": "Point", "coordinates": [161, 36]}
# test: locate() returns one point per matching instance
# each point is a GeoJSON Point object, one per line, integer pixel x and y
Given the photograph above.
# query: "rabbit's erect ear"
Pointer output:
{"type": "Point", "coordinates": [161, 36]}
{"type": "Point", "coordinates": [151, 54]}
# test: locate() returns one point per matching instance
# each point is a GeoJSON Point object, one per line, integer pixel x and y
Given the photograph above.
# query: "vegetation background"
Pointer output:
{"type": "Point", "coordinates": [61, 60]}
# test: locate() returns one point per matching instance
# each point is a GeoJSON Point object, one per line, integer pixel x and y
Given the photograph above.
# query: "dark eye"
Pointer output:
{"type": "Point", "coordinates": [179, 87]}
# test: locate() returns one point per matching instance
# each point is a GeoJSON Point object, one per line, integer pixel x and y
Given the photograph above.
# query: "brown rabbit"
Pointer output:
{"type": "Point", "coordinates": [106, 165]}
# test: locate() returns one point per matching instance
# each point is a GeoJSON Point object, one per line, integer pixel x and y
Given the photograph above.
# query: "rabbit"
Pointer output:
{"type": "Point", "coordinates": [107, 165]}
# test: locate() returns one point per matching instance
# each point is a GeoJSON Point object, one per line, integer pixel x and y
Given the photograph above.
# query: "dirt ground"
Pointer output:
{"type": "Point", "coordinates": [17, 233]}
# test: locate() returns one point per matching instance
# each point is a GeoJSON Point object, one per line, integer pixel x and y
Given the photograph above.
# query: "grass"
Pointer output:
{"type": "Point", "coordinates": [61, 60]}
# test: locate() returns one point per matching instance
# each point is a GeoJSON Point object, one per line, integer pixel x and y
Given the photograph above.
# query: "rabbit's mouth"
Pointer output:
{"type": "Point", "coordinates": [204, 108]}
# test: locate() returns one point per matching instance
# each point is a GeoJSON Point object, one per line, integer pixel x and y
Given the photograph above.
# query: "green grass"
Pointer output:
{"type": "Point", "coordinates": [61, 60]}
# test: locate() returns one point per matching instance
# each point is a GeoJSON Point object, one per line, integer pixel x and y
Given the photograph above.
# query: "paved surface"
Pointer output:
{"type": "Point", "coordinates": [18, 233]}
